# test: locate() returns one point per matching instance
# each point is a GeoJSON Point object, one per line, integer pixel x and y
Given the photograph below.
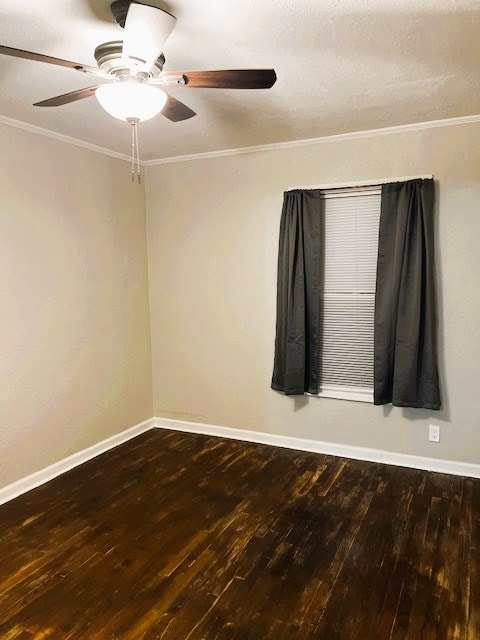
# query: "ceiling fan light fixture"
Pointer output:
{"type": "Point", "coordinates": [131, 101]}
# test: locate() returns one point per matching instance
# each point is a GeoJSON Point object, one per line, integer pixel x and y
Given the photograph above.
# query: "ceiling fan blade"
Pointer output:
{"type": "Point", "coordinates": [228, 79]}
{"type": "Point", "coordinates": [146, 31]}
{"type": "Point", "coordinates": [176, 111]}
{"type": "Point", "coordinates": [66, 98]}
{"type": "Point", "coordinates": [39, 57]}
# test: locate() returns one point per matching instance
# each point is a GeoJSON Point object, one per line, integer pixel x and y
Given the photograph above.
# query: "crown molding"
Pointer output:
{"type": "Point", "coordinates": [354, 135]}
{"type": "Point", "coordinates": [62, 138]}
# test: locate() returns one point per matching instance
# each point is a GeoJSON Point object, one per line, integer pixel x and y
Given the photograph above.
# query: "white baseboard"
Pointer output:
{"type": "Point", "coordinates": [57, 468]}
{"type": "Point", "coordinates": [301, 444]}
{"type": "Point", "coordinates": [331, 448]}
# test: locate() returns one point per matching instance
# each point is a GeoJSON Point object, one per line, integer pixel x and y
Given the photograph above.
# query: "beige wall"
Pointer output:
{"type": "Point", "coordinates": [213, 234]}
{"type": "Point", "coordinates": [75, 362]}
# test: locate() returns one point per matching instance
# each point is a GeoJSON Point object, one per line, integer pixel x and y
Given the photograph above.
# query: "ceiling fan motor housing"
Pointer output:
{"type": "Point", "coordinates": [109, 58]}
{"type": "Point", "coordinates": [119, 10]}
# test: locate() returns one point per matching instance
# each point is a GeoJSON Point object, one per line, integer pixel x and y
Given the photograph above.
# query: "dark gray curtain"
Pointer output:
{"type": "Point", "coordinates": [405, 317]}
{"type": "Point", "coordinates": [296, 344]}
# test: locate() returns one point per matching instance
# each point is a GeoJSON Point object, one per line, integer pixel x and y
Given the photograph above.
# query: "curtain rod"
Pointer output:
{"type": "Point", "coordinates": [362, 183]}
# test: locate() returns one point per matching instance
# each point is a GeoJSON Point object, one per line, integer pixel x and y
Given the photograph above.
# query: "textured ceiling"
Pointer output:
{"type": "Point", "coordinates": [342, 65]}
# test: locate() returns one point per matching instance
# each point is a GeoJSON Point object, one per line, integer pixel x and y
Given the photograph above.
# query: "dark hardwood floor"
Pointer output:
{"type": "Point", "coordinates": [178, 536]}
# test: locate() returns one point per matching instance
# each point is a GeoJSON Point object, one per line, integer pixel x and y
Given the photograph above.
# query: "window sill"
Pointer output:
{"type": "Point", "coordinates": [345, 393]}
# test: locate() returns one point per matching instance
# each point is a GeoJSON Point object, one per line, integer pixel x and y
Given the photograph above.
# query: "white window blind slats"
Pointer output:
{"type": "Point", "coordinates": [350, 245]}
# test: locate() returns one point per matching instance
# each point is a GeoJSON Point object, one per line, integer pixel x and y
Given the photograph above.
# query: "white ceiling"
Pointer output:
{"type": "Point", "coordinates": [342, 65]}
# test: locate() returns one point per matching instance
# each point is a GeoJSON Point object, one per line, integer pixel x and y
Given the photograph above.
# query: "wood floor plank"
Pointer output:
{"type": "Point", "coordinates": [177, 536]}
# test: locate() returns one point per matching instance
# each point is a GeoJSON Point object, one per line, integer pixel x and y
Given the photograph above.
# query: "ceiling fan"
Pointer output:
{"type": "Point", "coordinates": [134, 67]}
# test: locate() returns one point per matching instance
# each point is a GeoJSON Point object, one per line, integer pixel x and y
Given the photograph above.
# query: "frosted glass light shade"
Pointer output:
{"type": "Point", "coordinates": [131, 100]}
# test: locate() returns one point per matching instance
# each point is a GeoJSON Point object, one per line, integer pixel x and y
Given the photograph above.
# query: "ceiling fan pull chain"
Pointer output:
{"type": "Point", "coordinates": [138, 154]}
{"type": "Point", "coordinates": [133, 151]}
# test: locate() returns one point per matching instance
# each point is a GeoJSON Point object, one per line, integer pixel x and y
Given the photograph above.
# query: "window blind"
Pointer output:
{"type": "Point", "coordinates": [350, 223]}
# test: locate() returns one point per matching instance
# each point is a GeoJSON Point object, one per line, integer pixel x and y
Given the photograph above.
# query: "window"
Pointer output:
{"type": "Point", "coordinates": [350, 224]}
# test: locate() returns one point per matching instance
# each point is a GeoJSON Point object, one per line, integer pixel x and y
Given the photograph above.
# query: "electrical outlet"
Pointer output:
{"type": "Point", "coordinates": [434, 433]}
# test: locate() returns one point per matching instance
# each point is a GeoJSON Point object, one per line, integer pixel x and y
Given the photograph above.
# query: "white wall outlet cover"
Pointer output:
{"type": "Point", "coordinates": [434, 433]}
